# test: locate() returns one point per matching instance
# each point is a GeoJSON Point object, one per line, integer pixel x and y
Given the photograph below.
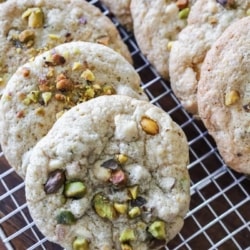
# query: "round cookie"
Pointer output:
{"type": "Point", "coordinates": [206, 22]}
{"type": "Point", "coordinates": [223, 94]}
{"type": "Point", "coordinates": [121, 9]}
{"type": "Point", "coordinates": [55, 81]}
{"type": "Point", "coordinates": [156, 25]}
{"type": "Point", "coordinates": [128, 162]}
{"type": "Point", "coordinates": [30, 27]}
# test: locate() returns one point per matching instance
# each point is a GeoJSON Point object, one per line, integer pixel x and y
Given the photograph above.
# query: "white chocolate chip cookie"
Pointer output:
{"type": "Point", "coordinates": [156, 25]}
{"type": "Point", "coordinates": [224, 95]}
{"type": "Point", "coordinates": [110, 174]}
{"type": "Point", "coordinates": [56, 80]}
{"type": "Point", "coordinates": [207, 20]}
{"type": "Point", "coordinates": [30, 27]}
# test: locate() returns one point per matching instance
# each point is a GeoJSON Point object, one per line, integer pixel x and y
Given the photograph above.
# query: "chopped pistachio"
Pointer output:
{"type": "Point", "coordinates": [74, 189]}
{"type": "Point", "coordinates": [149, 125]}
{"type": "Point", "coordinates": [110, 164]}
{"type": "Point", "coordinates": [26, 36]}
{"type": "Point", "coordinates": [126, 247]}
{"type": "Point", "coordinates": [46, 96]}
{"type": "Point", "coordinates": [118, 177]}
{"type": "Point", "coordinates": [134, 212]}
{"type": "Point", "coordinates": [183, 14]}
{"type": "Point", "coordinates": [133, 191]}
{"type": "Point", "coordinates": [103, 207]}
{"type": "Point", "coordinates": [138, 202]}
{"type": "Point", "coordinates": [65, 217]}
{"type": "Point", "coordinates": [232, 97]}
{"type": "Point", "coordinates": [90, 93]}
{"type": "Point", "coordinates": [108, 90]}
{"type": "Point", "coordinates": [55, 181]}
{"type": "Point", "coordinates": [157, 230]}
{"type": "Point", "coordinates": [181, 4]}
{"type": "Point", "coordinates": [126, 235]}
{"type": "Point", "coordinates": [25, 72]}
{"type": "Point", "coordinates": [77, 66]}
{"type": "Point", "coordinates": [64, 84]}
{"type": "Point", "coordinates": [121, 208]}
{"type": "Point", "coordinates": [121, 158]}
{"type": "Point", "coordinates": [54, 36]}
{"type": "Point", "coordinates": [58, 59]}
{"type": "Point", "coordinates": [80, 244]}
{"type": "Point", "coordinates": [33, 96]}
{"type": "Point", "coordinates": [88, 75]}
{"type": "Point", "coordinates": [35, 17]}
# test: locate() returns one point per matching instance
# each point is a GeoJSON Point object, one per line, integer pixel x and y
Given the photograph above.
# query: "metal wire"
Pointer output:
{"type": "Point", "coordinates": [219, 211]}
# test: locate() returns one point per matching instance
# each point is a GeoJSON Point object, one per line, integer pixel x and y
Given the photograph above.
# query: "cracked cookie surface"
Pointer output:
{"type": "Point", "coordinates": [132, 159]}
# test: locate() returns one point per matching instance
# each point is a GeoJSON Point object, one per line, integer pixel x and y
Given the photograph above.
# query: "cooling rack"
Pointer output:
{"type": "Point", "coordinates": [219, 216]}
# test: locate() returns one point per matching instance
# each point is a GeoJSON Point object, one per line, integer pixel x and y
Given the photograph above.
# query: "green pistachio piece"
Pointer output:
{"type": "Point", "coordinates": [157, 229]}
{"type": "Point", "coordinates": [80, 244]}
{"type": "Point", "coordinates": [134, 212]}
{"type": "Point", "coordinates": [121, 208]}
{"type": "Point", "coordinates": [126, 235]}
{"type": "Point", "coordinates": [36, 18]}
{"type": "Point", "coordinates": [126, 247]}
{"type": "Point", "coordinates": [183, 14]}
{"type": "Point", "coordinates": [74, 189]}
{"type": "Point", "coordinates": [133, 191]}
{"type": "Point", "coordinates": [46, 96]}
{"type": "Point", "coordinates": [66, 218]}
{"type": "Point", "coordinates": [33, 96]}
{"type": "Point", "coordinates": [103, 207]}
{"type": "Point", "coordinates": [121, 158]}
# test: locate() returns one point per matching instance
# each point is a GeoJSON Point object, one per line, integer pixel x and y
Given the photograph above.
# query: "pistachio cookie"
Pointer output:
{"type": "Point", "coordinates": [156, 25]}
{"type": "Point", "coordinates": [223, 94]}
{"type": "Point", "coordinates": [207, 20]}
{"type": "Point", "coordinates": [110, 174]}
{"type": "Point", "coordinates": [55, 81]}
{"type": "Point", "coordinates": [121, 9]}
{"type": "Point", "coordinates": [30, 27]}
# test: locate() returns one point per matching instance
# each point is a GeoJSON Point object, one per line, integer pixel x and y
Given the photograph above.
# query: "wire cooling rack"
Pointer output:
{"type": "Point", "coordinates": [219, 216]}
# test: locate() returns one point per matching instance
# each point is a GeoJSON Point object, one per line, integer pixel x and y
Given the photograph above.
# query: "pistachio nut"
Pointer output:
{"type": "Point", "coordinates": [55, 181]}
{"type": "Point", "coordinates": [149, 126]}
{"type": "Point", "coordinates": [74, 189]}
{"type": "Point", "coordinates": [65, 217]}
{"type": "Point", "coordinates": [80, 244]}
{"type": "Point", "coordinates": [157, 230]}
{"type": "Point", "coordinates": [126, 235]}
{"type": "Point", "coordinates": [103, 207]}
{"type": "Point", "coordinates": [134, 212]}
{"type": "Point", "coordinates": [121, 208]}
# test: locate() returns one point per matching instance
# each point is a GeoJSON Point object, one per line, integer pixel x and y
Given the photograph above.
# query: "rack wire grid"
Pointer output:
{"type": "Point", "coordinates": [220, 205]}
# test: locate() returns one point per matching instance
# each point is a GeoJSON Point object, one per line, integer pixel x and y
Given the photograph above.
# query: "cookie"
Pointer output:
{"type": "Point", "coordinates": [207, 20]}
{"type": "Point", "coordinates": [55, 81]}
{"type": "Point", "coordinates": [30, 27]}
{"type": "Point", "coordinates": [156, 25]}
{"type": "Point", "coordinates": [121, 10]}
{"type": "Point", "coordinates": [223, 94]}
{"type": "Point", "coordinates": [127, 162]}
